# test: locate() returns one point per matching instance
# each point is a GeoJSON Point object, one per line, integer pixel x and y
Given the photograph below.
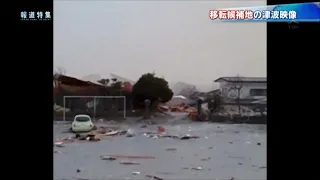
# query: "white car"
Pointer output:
{"type": "Point", "coordinates": [82, 123]}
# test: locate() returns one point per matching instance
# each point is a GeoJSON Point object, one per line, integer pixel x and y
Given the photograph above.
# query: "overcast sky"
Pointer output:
{"type": "Point", "coordinates": [175, 39]}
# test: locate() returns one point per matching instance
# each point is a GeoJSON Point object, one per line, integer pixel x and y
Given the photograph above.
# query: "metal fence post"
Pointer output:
{"type": "Point", "coordinates": [94, 108]}
{"type": "Point", "coordinates": [64, 108]}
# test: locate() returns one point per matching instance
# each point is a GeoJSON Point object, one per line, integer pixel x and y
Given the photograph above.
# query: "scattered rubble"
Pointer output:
{"type": "Point", "coordinates": [130, 133]}
{"type": "Point", "coordinates": [171, 149]}
{"type": "Point", "coordinates": [188, 136]}
{"type": "Point", "coordinates": [131, 157]}
{"type": "Point", "coordinates": [143, 126]}
{"type": "Point", "coordinates": [108, 158]}
{"type": "Point", "coordinates": [129, 163]}
{"type": "Point", "coordinates": [136, 173]}
{"type": "Point", "coordinates": [101, 133]}
{"type": "Point", "coordinates": [154, 177]}
{"type": "Point", "coordinates": [58, 144]}
{"type": "Point", "coordinates": [206, 159]}
{"type": "Point", "coordinates": [104, 132]}
{"type": "Point", "coordinates": [58, 152]}
{"type": "Point", "coordinates": [197, 168]}
{"type": "Point", "coordinates": [194, 168]}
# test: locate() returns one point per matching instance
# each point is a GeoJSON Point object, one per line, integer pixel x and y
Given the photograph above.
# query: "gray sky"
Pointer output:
{"type": "Point", "coordinates": [176, 39]}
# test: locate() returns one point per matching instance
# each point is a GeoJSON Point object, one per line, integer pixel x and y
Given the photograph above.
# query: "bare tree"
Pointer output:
{"type": "Point", "coordinates": [114, 80]}
{"type": "Point", "coordinates": [59, 71]}
{"type": "Point", "coordinates": [237, 86]}
{"type": "Point", "coordinates": [104, 82]}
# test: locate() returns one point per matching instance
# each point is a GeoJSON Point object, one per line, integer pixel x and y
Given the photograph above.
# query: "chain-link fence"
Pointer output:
{"type": "Point", "coordinates": [98, 107]}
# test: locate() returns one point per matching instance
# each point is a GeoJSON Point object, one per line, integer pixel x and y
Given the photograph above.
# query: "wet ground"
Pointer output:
{"type": "Point", "coordinates": [224, 151]}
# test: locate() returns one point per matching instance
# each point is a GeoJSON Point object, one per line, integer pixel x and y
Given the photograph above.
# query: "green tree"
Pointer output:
{"type": "Point", "coordinates": [151, 87]}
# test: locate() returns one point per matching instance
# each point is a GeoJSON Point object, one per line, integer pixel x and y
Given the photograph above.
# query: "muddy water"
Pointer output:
{"type": "Point", "coordinates": [223, 152]}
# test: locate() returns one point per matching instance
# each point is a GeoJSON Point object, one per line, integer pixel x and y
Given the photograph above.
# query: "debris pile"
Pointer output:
{"type": "Point", "coordinates": [192, 111]}
{"type": "Point", "coordinates": [101, 133]}
{"type": "Point", "coordinates": [233, 110]}
{"type": "Point", "coordinates": [176, 108]}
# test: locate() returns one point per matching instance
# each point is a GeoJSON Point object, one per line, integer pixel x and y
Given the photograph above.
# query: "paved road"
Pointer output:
{"type": "Point", "coordinates": [233, 150]}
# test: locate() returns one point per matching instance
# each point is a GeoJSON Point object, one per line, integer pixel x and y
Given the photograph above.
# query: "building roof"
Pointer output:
{"type": "Point", "coordinates": [73, 81]}
{"type": "Point", "coordinates": [242, 79]}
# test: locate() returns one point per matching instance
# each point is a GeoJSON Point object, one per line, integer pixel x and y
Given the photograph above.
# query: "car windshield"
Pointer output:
{"type": "Point", "coordinates": [82, 119]}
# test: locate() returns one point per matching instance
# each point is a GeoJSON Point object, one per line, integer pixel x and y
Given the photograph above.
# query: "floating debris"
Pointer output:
{"type": "Point", "coordinates": [59, 144]}
{"type": "Point", "coordinates": [258, 144]}
{"type": "Point", "coordinates": [112, 133]}
{"type": "Point", "coordinates": [132, 157]}
{"type": "Point", "coordinates": [136, 173]}
{"type": "Point", "coordinates": [169, 136]}
{"type": "Point", "coordinates": [154, 177]}
{"type": "Point", "coordinates": [206, 159]}
{"type": "Point", "coordinates": [130, 133]}
{"type": "Point", "coordinates": [58, 152]}
{"type": "Point", "coordinates": [161, 130]}
{"type": "Point", "coordinates": [188, 136]}
{"type": "Point", "coordinates": [64, 140]}
{"type": "Point", "coordinates": [108, 158]}
{"type": "Point", "coordinates": [197, 168]}
{"type": "Point", "coordinates": [129, 163]}
{"type": "Point", "coordinates": [166, 173]}
{"type": "Point", "coordinates": [171, 149]}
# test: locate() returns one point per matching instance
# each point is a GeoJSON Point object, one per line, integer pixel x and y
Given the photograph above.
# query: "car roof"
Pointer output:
{"type": "Point", "coordinates": [82, 115]}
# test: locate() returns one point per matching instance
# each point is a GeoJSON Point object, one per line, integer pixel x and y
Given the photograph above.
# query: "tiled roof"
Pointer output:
{"type": "Point", "coordinates": [242, 79]}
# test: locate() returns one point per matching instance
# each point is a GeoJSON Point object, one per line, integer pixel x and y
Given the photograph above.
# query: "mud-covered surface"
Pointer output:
{"type": "Point", "coordinates": [223, 151]}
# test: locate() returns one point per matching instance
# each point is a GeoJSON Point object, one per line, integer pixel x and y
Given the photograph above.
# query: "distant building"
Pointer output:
{"type": "Point", "coordinates": [251, 88]}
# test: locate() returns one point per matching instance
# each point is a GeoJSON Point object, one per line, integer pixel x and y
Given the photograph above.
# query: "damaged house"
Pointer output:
{"type": "Point", "coordinates": [247, 89]}
{"type": "Point", "coordinates": [70, 86]}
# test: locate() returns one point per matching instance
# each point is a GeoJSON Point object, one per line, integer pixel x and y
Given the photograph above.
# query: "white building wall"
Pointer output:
{"type": "Point", "coordinates": [228, 90]}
